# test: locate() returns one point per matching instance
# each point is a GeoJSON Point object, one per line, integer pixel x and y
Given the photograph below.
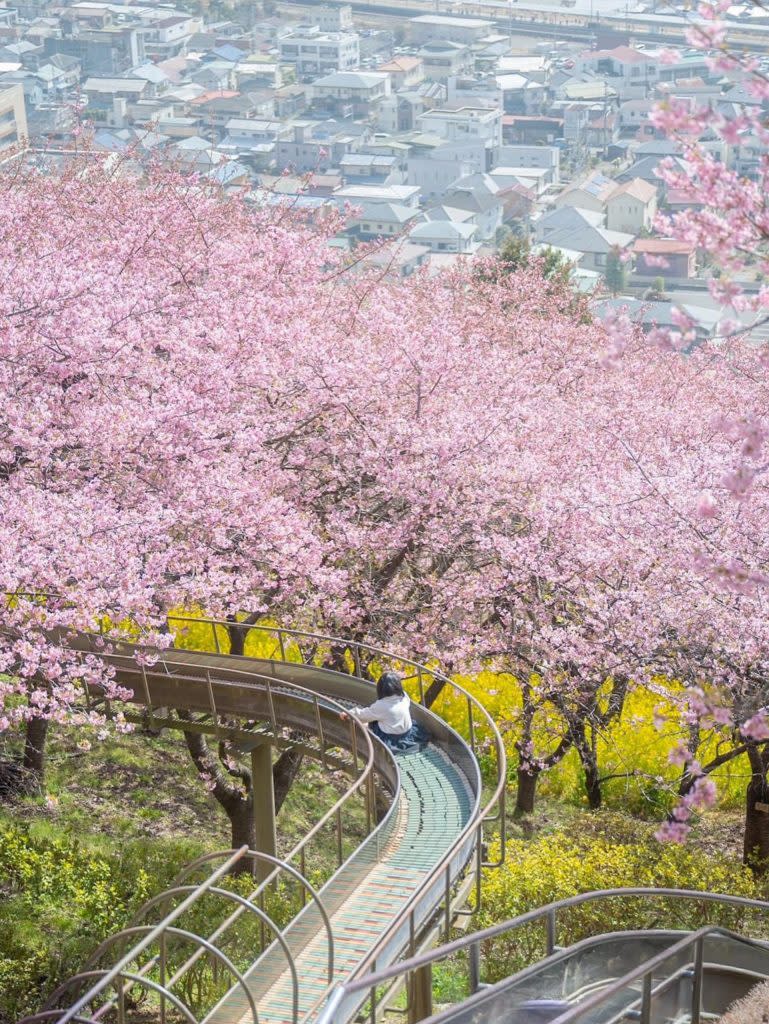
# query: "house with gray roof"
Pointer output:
{"type": "Point", "coordinates": [583, 236]}
{"type": "Point", "coordinates": [382, 219]}
{"type": "Point", "coordinates": [446, 236]}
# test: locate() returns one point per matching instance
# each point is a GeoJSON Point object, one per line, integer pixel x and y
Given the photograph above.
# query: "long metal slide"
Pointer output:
{"type": "Point", "coordinates": [408, 833]}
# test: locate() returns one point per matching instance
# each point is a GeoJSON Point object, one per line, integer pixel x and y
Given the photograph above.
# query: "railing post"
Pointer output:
{"type": "Point", "coordinates": [263, 806]}
{"type": "Point", "coordinates": [339, 848]}
{"type": "Point", "coordinates": [699, 955]}
{"type": "Point", "coordinates": [550, 925]}
{"type": "Point", "coordinates": [163, 977]}
{"type": "Point", "coordinates": [447, 897]}
{"type": "Point", "coordinates": [421, 994]}
{"type": "Point", "coordinates": [474, 964]}
{"type": "Point", "coordinates": [478, 868]}
{"type": "Point", "coordinates": [646, 999]}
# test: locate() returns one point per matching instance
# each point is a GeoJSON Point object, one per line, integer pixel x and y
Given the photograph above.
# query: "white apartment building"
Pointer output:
{"type": "Point", "coordinates": [319, 53]}
{"type": "Point", "coordinates": [464, 123]}
{"type": "Point", "coordinates": [13, 118]}
{"type": "Point", "coordinates": [539, 157]}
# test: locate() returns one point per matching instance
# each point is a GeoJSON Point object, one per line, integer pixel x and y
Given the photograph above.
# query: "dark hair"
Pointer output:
{"type": "Point", "coordinates": [389, 684]}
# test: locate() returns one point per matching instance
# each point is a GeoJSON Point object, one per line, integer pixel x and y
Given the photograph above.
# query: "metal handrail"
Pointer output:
{"type": "Point", "coordinates": [249, 678]}
{"type": "Point", "coordinates": [474, 827]}
{"type": "Point", "coordinates": [548, 912]}
{"type": "Point", "coordinates": [280, 866]}
{"type": "Point", "coordinates": [135, 979]}
{"type": "Point", "coordinates": [643, 972]}
{"type": "Point", "coordinates": [107, 977]}
{"type": "Point", "coordinates": [421, 671]}
{"type": "Point", "coordinates": [205, 946]}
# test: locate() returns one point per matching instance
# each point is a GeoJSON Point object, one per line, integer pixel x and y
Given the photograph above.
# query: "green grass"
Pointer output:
{"type": "Point", "coordinates": [115, 824]}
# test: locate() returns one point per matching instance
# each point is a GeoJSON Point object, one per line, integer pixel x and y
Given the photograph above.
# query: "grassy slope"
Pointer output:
{"type": "Point", "coordinates": [136, 802]}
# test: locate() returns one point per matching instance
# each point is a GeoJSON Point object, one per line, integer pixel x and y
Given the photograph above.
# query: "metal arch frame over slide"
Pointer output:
{"type": "Point", "coordinates": [274, 697]}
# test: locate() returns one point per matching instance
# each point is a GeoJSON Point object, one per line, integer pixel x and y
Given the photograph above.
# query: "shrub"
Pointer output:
{"type": "Point", "coordinates": [563, 864]}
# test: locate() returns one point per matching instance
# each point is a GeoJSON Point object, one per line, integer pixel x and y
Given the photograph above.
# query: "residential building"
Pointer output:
{"type": "Point", "coordinates": [522, 129]}
{"type": "Point", "coordinates": [443, 59]}
{"type": "Point", "coordinates": [368, 168]}
{"type": "Point", "coordinates": [479, 124]}
{"type": "Point", "coordinates": [651, 314]}
{"type": "Point", "coordinates": [434, 170]}
{"type": "Point", "coordinates": [521, 94]}
{"type": "Point", "coordinates": [589, 194]}
{"type": "Point", "coordinates": [320, 53]}
{"type": "Point", "coordinates": [104, 52]}
{"type": "Point", "coordinates": [351, 93]}
{"type": "Point", "coordinates": [404, 72]}
{"type": "Point", "coordinates": [632, 73]}
{"type": "Point", "coordinates": [13, 119]}
{"type": "Point", "coordinates": [382, 219]}
{"type": "Point", "coordinates": [578, 231]}
{"type": "Point", "coordinates": [168, 36]}
{"type": "Point", "coordinates": [632, 207]}
{"type": "Point", "coordinates": [428, 28]}
{"type": "Point", "coordinates": [401, 195]}
{"type": "Point", "coordinates": [546, 158]}
{"type": "Point", "coordinates": [533, 179]}
{"type": "Point", "coordinates": [634, 115]}
{"type": "Point", "coordinates": [446, 236]}
{"type": "Point", "coordinates": [664, 257]}
{"type": "Point", "coordinates": [315, 146]}
{"type": "Point", "coordinates": [483, 197]}
{"type": "Point", "coordinates": [331, 18]}
{"type": "Point", "coordinates": [108, 98]}
{"type": "Point", "coordinates": [563, 219]}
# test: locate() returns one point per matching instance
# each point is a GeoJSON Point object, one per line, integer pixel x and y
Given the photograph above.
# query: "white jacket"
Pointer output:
{"type": "Point", "coordinates": [392, 713]}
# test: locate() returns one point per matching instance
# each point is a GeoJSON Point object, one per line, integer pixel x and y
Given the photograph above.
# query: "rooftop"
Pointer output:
{"type": "Point", "coordinates": [663, 246]}
{"type": "Point", "coordinates": [448, 21]}
{"type": "Point", "coordinates": [637, 189]}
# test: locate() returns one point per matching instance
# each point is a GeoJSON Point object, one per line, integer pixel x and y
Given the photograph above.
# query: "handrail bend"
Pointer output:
{"type": "Point", "coordinates": [179, 663]}
{"type": "Point", "coordinates": [472, 943]}
{"type": "Point", "coordinates": [362, 742]}
{"type": "Point", "coordinates": [442, 870]}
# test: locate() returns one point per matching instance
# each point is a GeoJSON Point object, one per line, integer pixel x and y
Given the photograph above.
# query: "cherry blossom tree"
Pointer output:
{"type": "Point", "coordinates": [203, 408]}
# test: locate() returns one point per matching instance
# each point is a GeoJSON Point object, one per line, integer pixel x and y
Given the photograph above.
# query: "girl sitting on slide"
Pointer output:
{"type": "Point", "coordinates": [389, 717]}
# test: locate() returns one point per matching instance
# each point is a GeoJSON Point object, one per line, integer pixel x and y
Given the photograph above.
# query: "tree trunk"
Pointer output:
{"type": "Point", "coordinates": [242, 830]}
{"type": "Point", "coordinates": [756, 846]}
{"type": "Point", "coordinates": [593, 787]}
{"type": "Point", "coordinates": [433, 692]}
{"type": "Point", "coordinates": [238, 631]}
{"type": "Point", "coordinates": [33, 763]}
{"type": "Point", "coordinates": [589, 762]}
{"type": "Point", "coordinates": [526, 791]}
{"type": "Point", "coordinates": [236, 801]}
{"type": "Point", "coordinates": [284, 771]}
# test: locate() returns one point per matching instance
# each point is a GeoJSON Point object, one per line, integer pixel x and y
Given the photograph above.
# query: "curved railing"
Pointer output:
{"type": "Point", "coordinates": [350, 993]}
{"type": "Point", "coordinates": [363, 654]}
{"type": "Point", "coordinates": [155, 681]}
{"type": "Point", "coordinates": [360, 744]}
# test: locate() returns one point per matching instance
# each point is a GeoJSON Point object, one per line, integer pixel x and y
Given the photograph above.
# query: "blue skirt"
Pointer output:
{"type": "Point", "coordinates": [409, 742]}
